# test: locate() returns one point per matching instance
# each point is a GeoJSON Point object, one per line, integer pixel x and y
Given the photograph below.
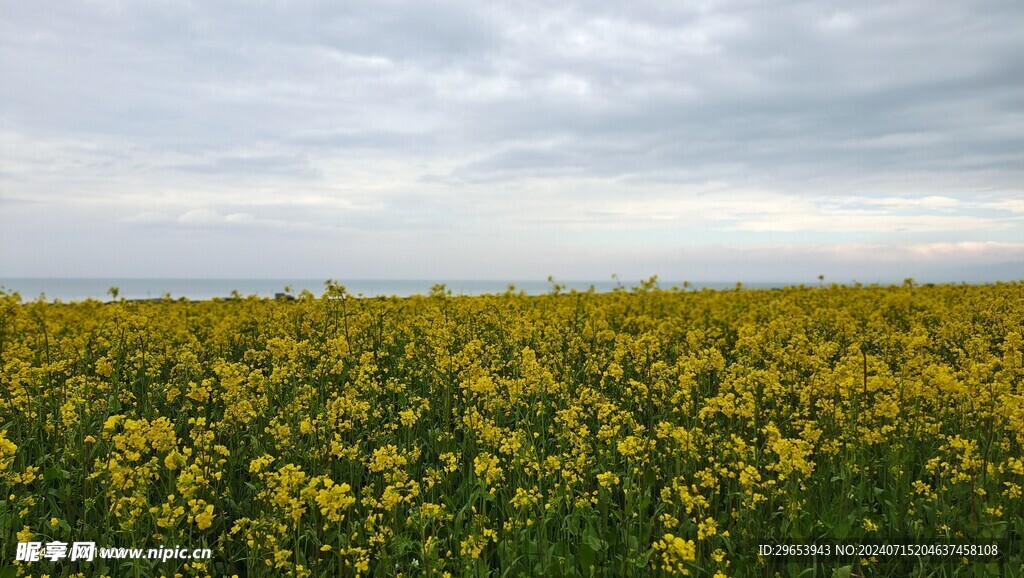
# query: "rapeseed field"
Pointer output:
{"type": "Point", "coordinates": [642, 432]}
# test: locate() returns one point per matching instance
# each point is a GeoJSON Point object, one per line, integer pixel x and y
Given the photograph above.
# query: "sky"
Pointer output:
{"type": "Point", "coordinates": [703, 141]}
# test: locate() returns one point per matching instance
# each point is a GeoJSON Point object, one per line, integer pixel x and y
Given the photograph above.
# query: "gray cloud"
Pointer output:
{"type": "Point", "coordinates": [238, 165]}
{"type": "Point", "coordinates": [443, 123]}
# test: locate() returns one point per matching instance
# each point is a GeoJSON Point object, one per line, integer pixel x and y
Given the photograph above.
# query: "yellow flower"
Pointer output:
{"type": "Point", "coordinates": [487, 466]}
{"type": "Point", "coordinates": [112, 422]}
{"type": "Point", "coordinates": [258, 464]}
{"type": "Point", "coordinates": [170, 461]}
{"type": "Point", "coordinates": [408, 417]}
{"type": "Point", "coordinates": [676, 553]}
{"type": "Point", "coordinates": [474, 544]}
{"type": "Point", "coordinates": [334, 498]}
{"type": "Point", "coordinates": [607, 480]}
{"type": "Point", "coordinates": [25, 535]}
{"type": "Point", "coordinates": [451, 463]}
{"type": "Point", "coordinates": [707, 528]}
{"type": "Point", "coordinates": [204, 518]}
{"type": "Point", "coordinates": [7, 449]}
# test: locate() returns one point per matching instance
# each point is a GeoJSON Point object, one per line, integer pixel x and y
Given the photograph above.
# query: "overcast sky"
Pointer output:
{"type": "Point", "coordinates": [709, 140]}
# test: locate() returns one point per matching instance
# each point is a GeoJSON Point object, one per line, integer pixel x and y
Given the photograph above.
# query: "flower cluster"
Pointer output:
{"type": "Point", "coordinates": [644, 432]}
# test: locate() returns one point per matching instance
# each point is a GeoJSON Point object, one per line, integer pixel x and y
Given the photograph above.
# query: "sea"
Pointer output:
{"type": "Point", "coordinates": [80, 289]}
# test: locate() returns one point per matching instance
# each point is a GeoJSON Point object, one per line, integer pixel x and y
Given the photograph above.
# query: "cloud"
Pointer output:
{"type": "Point", "coordinates": [929, 202]}
{"type": "Point", "coordinates": [664, 125]}
{"type": "Point", "coordinates": [940, 252]}
{"type": "Point", "coordinates": [241, 165]}
{"type": "Point", "coordinates": [205, 217]}
{"type": "Point", "coordinates": [149, 218]}
{"type": "Point", "coordinates": [1012, 205]}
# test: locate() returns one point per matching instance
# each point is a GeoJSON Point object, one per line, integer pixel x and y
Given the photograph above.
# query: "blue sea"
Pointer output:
{"type": "Point", "coordinates": [66, 289]}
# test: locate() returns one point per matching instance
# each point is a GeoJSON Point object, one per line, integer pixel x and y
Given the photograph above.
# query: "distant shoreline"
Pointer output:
{"type": "Point", "coordinates": [203, 290]}
{"type": "Point", "coordinates": [80, 289]}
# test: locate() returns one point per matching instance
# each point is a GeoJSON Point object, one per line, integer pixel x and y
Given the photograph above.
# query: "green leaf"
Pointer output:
{"type": "Point", "coordinates": [843, 572]}
{"type": "Point", "coordinates": [54, 473]}
{"type": "Point", "coordinates": [587, 557]}
{"type": "Point", "coordinates": [841, 531]}
{"type": "Point", "coordinates": [591, 539]}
